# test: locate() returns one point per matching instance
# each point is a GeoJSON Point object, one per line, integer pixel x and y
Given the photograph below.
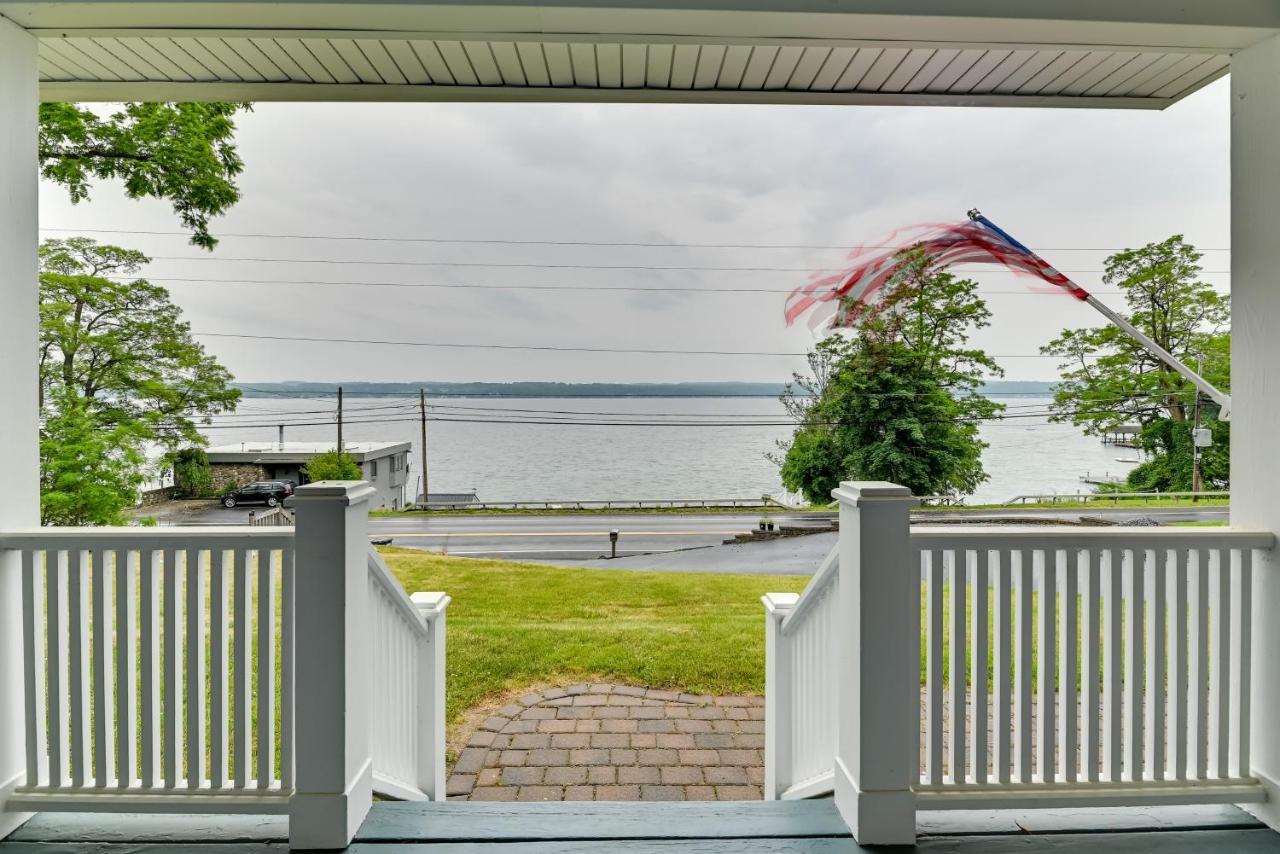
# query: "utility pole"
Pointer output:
{"type": "Point", "coordinates": [422, 408]}
{"type": "Point", "coordinates": [1197, 483]}
{"type": "Point", "coordinates": [341, 447]}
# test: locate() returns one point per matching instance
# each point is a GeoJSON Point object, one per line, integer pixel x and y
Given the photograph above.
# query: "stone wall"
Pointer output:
{"type": "Point", "coordinates": [152, 497]}
{"type": "Point", "coordinates": [223, 477]}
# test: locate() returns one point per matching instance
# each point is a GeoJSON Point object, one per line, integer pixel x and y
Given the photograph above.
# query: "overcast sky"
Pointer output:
{"type": "Point", "coordinates": [1075, 184]}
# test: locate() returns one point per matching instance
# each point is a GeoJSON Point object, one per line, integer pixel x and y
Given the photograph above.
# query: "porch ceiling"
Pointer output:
{"type": "Point", "coordinates": [1108, 53]}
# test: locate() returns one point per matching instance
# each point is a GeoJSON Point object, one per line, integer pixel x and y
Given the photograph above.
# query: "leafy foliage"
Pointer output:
{"type": "Point", "coordinates": [897, 401]}
{"type": "Point", "coordinates": [1110, 380]}
{"type": "Point", "coordinates": [332, 465]}
{"type": "Point", "coordinates": [192, 477]}
{"type": "Point", "coordinates": [184, 153]}
{"type": "Point", "coordinates": [123, 346]}
{"type": "Point", "coordinates": [88, 475]}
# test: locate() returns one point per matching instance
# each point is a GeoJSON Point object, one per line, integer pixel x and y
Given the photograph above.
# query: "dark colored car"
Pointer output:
{"type": "Point", "coordinates": [268, 492]}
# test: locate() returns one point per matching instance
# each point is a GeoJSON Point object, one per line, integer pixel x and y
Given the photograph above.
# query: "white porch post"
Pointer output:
{"type": "Point", "coordinates": [19, 416]}
{"type": "Point", "coordinates": [878, 649]}
{"type": "Point", "coordinates": [1255, 384]}
{"type": "Point", "coordinates": [431, 695]}
{"type": "Point", "coordinates": [334, 775]}
{"type": "Point", "coordinates": [778, 695]}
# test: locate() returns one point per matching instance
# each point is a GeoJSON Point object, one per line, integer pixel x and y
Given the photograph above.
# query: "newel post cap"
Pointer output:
{"type": "Point", "coordinates": [858, 492]}
{"type": "Point", "coordinates": [345, 492]}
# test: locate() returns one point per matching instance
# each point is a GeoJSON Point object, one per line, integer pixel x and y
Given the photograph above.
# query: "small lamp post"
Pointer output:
{"type": "Point", "coordinates": [613, 543]}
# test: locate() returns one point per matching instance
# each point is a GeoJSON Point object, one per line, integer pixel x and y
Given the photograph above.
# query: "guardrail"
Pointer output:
{"type": "Point", "coordinates": [1115, 497]}
{"type": "Point", "coordinates": [610, 504]}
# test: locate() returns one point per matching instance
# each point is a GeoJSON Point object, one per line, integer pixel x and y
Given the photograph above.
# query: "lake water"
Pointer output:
{"type": "Point", "coordinates": [530, 461]}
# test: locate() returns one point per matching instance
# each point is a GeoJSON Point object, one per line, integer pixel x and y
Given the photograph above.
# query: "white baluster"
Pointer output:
{"type": "Point", "coordinates": [266, 669]}
{"type": "Point", "coordinates": [220, 569]}
{"type": "Point", "coordinates": [934, 665]}
{"type": "Point", "coordinates": [126, 668]}
{"type": "Point", "coordinates": [956, 671]}
{"type": "Point", "coordinates": [1090, 664]}
{"type": "Point", "coordinates": [1177, 734]}
{"type": "Point", "coordinates": [195, 666]}
{"type": "Point", "coordinates": [1113, 667]}
{"type": "Point", "coordinates": [1023, 737]}
{"type": "Point", "coordinates": [1046, 729]}
{"type": "Point", "coordinates": [1156, 668]}
{"type": "Point", "coordinates": [1002, 661]}
{"type": "Point", "coordinates": [978, 660]}
{"type": "Point", "coordinates": [1073, 566]}
{"type": "Point", "coordinates": [33, 661]}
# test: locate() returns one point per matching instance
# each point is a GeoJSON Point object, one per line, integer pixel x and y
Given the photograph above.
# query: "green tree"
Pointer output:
{"type": "Point", "coordinates": [184, 153]}
{"type": "Point", "coordinates": [123, 346]}
{"type": "Point", "coordinates": [88, 475]}
{"type": "Point", "coordinates": [1109, 379]}
{"type": "Point", "coordinates": [897, 400]}
{"type": "Point", "coordinates": [192, 476]}
{"type": "Point", "coordinates": [332, 465]}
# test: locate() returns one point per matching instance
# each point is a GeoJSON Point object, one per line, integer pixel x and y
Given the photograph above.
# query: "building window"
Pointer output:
{"type": "Point", "coordinates": [397, 462]}
{"type": "Point", "coordinates": [373, 469]}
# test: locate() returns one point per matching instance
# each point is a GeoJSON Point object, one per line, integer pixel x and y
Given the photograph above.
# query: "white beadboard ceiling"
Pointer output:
{"type": "Point", "coordinates": [758, 51]}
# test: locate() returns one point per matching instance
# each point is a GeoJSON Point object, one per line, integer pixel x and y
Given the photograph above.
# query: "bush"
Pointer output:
{"type": "Point", "coordinates": [332, 465]}
{"type": "Point", "coordinates": [191, 475]}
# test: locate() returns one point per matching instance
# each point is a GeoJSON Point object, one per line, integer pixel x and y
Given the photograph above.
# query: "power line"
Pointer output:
{"type": "Point", "coordinates": [474, 346]}
{"type": "Point", "coordinates": [526, 242]}
{"type": "Point", "coordinates": [499, 287]}
{"type": "Point", "coordinates": [564, 422]}
{"type": "Point", "coordinates": [382, 262]}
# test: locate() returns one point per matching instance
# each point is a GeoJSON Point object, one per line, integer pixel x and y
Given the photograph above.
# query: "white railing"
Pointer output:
{"type": "Point", "coordinates": [407, 657]}
{"type": "Point", "coordinates": [1067, 665]}
{"type": "Point", "coordinates": [158, 668]}
{"type": "Point", "coordinates": [1061, 665]}
{"type": "Point", "coordinates": [800, 717]}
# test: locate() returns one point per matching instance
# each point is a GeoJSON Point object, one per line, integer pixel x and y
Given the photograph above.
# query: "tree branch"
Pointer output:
{"type": "Point", "coordinates": [93, 154]}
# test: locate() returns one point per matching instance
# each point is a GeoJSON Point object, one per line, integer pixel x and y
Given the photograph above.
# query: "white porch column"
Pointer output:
{"type": "Point", "coordinates": [878, 648]}
{"type": "Point", "coordinates": [1255, 381]}
{"type": "Point", "coordinates": [19, 418]}
{"type": "Point", "coordinates": [334, 768]}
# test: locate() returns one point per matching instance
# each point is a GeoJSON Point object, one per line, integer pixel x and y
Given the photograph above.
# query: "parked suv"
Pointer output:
{"type": "Point", "coordinates": [268, 492]}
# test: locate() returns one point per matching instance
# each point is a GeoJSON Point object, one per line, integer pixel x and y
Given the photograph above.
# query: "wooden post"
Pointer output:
{"type": "Point", "coordinates": [19, 384]}
{"type": "Point", "coordinates": [431, 662]}
{"type": "Point", "coordinates": [1255, 351]}
{"type": "Point", "coordinates": [342, 448]}
{"type": "Point", "coordinates": [422, 408]}
{"type": "Point", "coordinates": [334, 775]}
{"type": "Point", "coordinates": [878, 649]}
{"type": "Point", "coordinates": [778, 695]}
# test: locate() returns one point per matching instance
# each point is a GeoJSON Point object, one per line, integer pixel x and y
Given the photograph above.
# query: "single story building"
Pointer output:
{"type": "Point", "coordinates": [383, 464]}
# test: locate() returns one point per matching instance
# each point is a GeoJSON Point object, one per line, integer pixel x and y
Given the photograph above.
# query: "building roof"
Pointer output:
{"type": "Point", "coordinates": [299, 452]}
{"type": "Point", "coordinates": [1119, 53]}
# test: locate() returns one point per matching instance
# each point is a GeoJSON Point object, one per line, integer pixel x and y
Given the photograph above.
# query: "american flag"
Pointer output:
{"type": "Point", "coordinates": [840, 299]}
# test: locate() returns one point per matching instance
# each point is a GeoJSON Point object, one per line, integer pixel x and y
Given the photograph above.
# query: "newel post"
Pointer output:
{"type": "Point", "coordinates": [878, 649]}
{"type": "Point", "coordinates": [778, 695]}
{"type": "Point", "coordinates": [334, 770]}
{"type": "Point", "coordinates": [431, 661]}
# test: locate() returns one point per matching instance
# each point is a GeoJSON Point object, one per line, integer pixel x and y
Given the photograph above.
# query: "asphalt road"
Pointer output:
{"type": "Point", "coordinates": [571, 538]}
{"type": "Point", "coordinates": [665, 540]}
{"type": "Point", "coordinates": [682, 540]}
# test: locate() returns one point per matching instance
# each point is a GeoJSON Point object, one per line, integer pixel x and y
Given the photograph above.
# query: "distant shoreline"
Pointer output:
{"type": "Point", "coordinates": [550, 390]}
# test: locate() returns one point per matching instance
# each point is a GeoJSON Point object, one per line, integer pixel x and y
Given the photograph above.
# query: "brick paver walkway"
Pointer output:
{"type": "Point", "coordinates": [615, 743]}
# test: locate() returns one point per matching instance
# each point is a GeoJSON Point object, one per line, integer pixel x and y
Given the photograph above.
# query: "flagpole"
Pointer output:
{"type": "Point", "coordinates": [1223, 400]}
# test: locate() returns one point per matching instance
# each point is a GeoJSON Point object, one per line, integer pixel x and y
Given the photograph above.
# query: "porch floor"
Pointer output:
{"type": "Point", "coordinates": [804, 827]}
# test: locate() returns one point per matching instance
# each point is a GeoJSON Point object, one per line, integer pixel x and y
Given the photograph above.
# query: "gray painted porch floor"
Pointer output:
{"type": "Point", "coordinates": [804, 827]}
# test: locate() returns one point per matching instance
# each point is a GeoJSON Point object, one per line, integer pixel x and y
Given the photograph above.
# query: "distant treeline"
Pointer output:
{"type": "Point", "coordinates": [293, 388]}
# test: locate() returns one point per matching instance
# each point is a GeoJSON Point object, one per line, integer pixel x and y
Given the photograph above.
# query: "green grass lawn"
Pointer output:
{"type": "Point", "coordinates": [511, 624]}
